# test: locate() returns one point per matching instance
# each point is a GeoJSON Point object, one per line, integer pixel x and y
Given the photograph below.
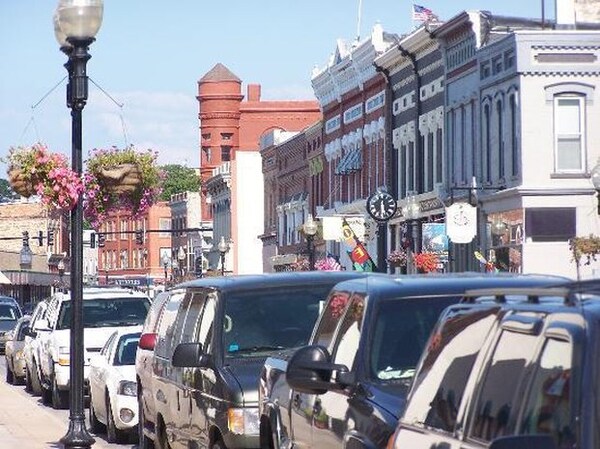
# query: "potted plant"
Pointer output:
{"type": "Point", "coordinates": [36, 170]}
{"type": "Point", "coordinates": [426, 262]}
{"type": "Point", "coordinates": [588, 247]}
{"type": "Point", "coordinates": [120, 179]}
{"type": "Point", "coordinates": [397, 258]}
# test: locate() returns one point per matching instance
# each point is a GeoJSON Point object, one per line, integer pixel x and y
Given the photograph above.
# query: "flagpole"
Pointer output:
{"type": "Point", "coordinates": [359, 18]}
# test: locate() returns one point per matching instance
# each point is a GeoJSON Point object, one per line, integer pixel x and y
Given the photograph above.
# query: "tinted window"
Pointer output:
{"type": "Point", "coordinates": [280, 317]}
{"type": "Point", "coordinates": [440, 382]}
{"type": "Point", "coordinates": [334, 310]}
{"type": "Point", "coordinates": [403, 328]}
{"type": "Point", "coordinates": [126, 349]}
{"type": "Point", "coordinates": [20, 334]}
{"type": "Point", "coordinates": [548, 410]}
{"type": "Point", "coordinates": [205, 330]}
{"type": "Point", "coordinates": [166, 324]}
{"type": "Point", "coordinates": [497, 400]}
{"type": "Point", "coordinates": [107, 312]}
{"type": "Point", "coordinates": [9, 312]}
{"type": "Point", "coordinates": [191, 319]}
{"type": "Point", "coordinates": [546, 224]}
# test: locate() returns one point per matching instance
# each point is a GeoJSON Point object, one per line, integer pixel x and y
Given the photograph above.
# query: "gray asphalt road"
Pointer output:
{"type": "Point", "coordinates": [33, 401]}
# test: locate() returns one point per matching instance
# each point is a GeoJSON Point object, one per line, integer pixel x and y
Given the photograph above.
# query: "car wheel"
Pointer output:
{"type": "Point", "coordinates": [36, 385]}
{"type": "Point", "coordinates": [161, 438]}
{"type": "Point", "coordinates": [28, 388]}
{"type": "Point", "coordinates": [113, 435]}
{"type": "Point", "coordinates": [95, 425]}
{"type": "Point", "coordinates": [143, 441]}
{"type": "Point", "coordinates": [59, 398]}
{"type": "Point", "coordinates": [10, 377]}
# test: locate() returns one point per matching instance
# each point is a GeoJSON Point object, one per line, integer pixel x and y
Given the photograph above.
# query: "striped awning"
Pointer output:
{"type": "Point", "coordinates": [350, 162]}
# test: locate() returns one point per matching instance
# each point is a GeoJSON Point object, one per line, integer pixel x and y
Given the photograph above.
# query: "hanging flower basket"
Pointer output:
{"type": "Point", "coordinates": [120, 179]}
{"type": "Point", "coordinates": [35, 170]}
{"type": "Point", "coordinates": [426, 262]}
{"type": "Point", "coordinates": [588, 247]}
{"type": "Point", "coordinates": [397, 258]}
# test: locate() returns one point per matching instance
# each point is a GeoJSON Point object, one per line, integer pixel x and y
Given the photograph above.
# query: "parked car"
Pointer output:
{"type": "Point", "coordinates": [208, 362]}
{"type": "Point", "coordinates": [509, 368]}
{"type": "Point", "coordinates": [105, 310]}
{"type": "Point", "coordinates": [10, 312]}
{"type": "Point", "coordinates": [31, 350]}
{"type": "Point", "coordinates": [160, 317]}
{"type": "Point", "coordinates": [13, 354]}
{"type": "Point", "coordinates": [348, 386]}
{"type": "Point", "coordinates": [113, 390]}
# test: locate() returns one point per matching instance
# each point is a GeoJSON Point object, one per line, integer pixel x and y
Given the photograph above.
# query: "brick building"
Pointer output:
{"type": "Point", "coordinates": [230, 130]}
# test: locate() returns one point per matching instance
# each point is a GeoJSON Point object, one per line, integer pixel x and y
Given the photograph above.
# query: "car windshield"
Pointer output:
{"type": "Point", "coordinates": [9, 312]}
{"type": "Point", "coordinates": [107, 312]}
{"type": "Point", "coordinates": [126, 349]}
{"type": "Point", "coordinates": [403, 328]}
{"type": "Point", "coordinates": [264, 320]}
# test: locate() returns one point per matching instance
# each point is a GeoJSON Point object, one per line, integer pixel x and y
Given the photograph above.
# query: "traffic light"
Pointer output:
{"type": "Point", "coordinates": [101, 240]}
{"type": "Point", "coordinates": [50, 237]}
{"type": "Point", "coordinates": [40, 238]}
{"type": "Point", "coordinates": [92, 240]}
{"type": "Point", "coordinates": [139, 236]}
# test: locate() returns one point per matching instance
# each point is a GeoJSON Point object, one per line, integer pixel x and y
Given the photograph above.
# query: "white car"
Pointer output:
{"type": "Point", "coordinates": [105, 310]}
{"type": "Point", "coordinates": [113, 389]}
{"type": "Point", "coordinates": [31, 351]}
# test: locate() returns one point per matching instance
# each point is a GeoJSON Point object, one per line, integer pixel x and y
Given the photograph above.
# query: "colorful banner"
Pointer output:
{"type": "Point", "coordinates": [361, 260]}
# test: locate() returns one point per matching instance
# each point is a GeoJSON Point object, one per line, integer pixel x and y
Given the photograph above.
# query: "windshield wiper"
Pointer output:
{"type": "Point", "coordinates": [257, 349]}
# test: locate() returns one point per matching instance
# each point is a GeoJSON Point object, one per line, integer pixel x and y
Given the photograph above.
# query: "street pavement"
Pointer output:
{"type": "Point", "coordinates": [25, 423]}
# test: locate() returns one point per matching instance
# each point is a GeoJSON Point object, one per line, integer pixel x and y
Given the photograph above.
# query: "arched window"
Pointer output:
{"type": "Point", "coordinates": [487, 143]}
{"type": "Point", "coordinates": [500, 119]}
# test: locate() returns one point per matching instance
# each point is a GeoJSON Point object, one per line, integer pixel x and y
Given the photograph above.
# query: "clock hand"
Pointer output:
{"type": "Point", "coordinates": [382, 208]}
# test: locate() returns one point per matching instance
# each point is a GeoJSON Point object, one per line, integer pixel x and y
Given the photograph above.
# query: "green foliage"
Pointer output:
{"type": "Point", "coordinates": [588, 247]}
{"type": "Point", "coordinates": [179, 179]}
{"type": "Point", "coordinates": [5, 190]}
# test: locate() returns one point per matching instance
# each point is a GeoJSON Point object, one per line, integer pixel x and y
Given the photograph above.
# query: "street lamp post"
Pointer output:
{"type": "Point", "coordinates": [595, 178]}
{"type": "Point", "coordinates": [411, 212]}
{"type": "Point", "coordinates": [181, 259]}
{"type": "Point", "coordinates": [310, 230]}
{"type": "Point", "coordinates": [76, 23]}
{"type": "Point", "coordinates": [26, 255]}
{"type": "Point", "coordinates": [223, 248]}
{"type": "Point", "coordinates": [61, 272]}
{"type": "Point", "coordinates": [165, 261]}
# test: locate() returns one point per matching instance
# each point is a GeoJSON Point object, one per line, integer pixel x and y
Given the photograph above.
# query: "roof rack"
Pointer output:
{"type": "Point", "coordinates": [502, 295]}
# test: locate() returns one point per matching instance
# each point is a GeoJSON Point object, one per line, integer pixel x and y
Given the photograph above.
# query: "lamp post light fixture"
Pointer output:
{"type": "Point", "coordinates": [76, 23]}
{"type": "Point", "coordinates": [181, 259]}
{"type": "Point", "coordinates": [411, 211]}
{"type": "Point", "coordinates": [310, 228]}
{"type": "Point", "coordinates": [595, 177]}
{"type": "Point", "coordinates": [223, 247]}
{"type": "Point", "coordinates": [26, 255]}
{"type": "Point", "coordinates": [61, 272]}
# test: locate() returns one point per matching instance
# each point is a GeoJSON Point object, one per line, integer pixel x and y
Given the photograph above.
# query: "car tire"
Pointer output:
{"type": "Point", "coordinates": [162, 441]}
{"type": "Point", "coordinates": [143, 441]}
{"type": "Point", "coordinates": [113, 435]}
{"type": "Point", "coordinates": [28, 387]}
{"type": "Point", "coordinates": [95, 425]}
{"type": "Point", "coordinates": [36, 385]}
{"type": "Point", "coordinates": [59, 398]}
{"type": "Point", "coordinates": [10, 376]}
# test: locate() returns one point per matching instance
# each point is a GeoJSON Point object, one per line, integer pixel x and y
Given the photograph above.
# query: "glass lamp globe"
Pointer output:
{"type": "Point", "coordinates": [223, 245]}
{"type": "Point", "coordinates": [80, 19]}
{"type": "Point", "coordinates": [310, 226]}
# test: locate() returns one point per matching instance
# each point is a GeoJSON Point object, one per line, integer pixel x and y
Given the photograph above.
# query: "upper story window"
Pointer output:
{"type": "Point", "coordinates": [206, 136]}
{"type": "Point", "coordinates": [225, 153]}
{"type": "Point", "coordinates": [485, 70]}
{"type": "Point", "coordinates": [207, 155]}
{"type": "Point", "coordinates": [226, 136]}
{"type": "Point", "coordinates": [569, 132]}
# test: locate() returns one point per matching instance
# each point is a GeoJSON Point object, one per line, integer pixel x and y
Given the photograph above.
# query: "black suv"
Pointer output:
{"type": "Point", "coordinates": [348, 387]}
{"type": "Point", "coordinates": [510, 368]}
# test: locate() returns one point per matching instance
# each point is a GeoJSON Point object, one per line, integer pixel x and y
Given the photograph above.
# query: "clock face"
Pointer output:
{"type": "Point", "coordinates": [381, 206]}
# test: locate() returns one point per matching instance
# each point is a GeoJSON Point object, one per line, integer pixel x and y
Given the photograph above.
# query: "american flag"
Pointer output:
{"type": "Point", "coordinates": [423, 14]}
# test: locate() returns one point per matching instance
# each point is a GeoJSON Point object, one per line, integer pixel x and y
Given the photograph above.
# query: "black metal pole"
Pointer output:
{"type": "Point", "coordinates": [222, 263]}
{"type": "Point", "coordinates": [311, 252]}
{"type": "Point", "coordinates": [77, 436]}
{"type": "Point", "coordinates": [166, 274]}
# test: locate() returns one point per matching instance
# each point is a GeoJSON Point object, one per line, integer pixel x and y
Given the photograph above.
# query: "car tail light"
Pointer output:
{"type": "Point", "coordinates": [148, 341]}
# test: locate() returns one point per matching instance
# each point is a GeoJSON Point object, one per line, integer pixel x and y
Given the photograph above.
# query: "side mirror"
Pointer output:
{"type": "Point", "coordinates": [29, 332]}
{"type": "Point", "coordinates": [524, 442]}
{"type": "Point", "coordinates": [190, 355]}
{"type": "Point", "coordinates": [310, 371]}
{"type": "Point", "coordinates": [148, 341]}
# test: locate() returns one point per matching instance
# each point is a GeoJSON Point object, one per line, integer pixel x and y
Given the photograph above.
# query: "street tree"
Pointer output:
{"type": "Point", "coordinates": [178, 179]}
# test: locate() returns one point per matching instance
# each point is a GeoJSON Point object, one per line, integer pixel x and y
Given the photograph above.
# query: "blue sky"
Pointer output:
{"type": "Point", "coordinates": [150, 54]}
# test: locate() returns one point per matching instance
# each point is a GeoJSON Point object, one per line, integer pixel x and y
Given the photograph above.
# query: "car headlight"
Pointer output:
{"type": "Point", "coordinates": [243, 421]}
{"type": "Point", "coordinates": [127, 388]}
{"type": "Point", "coordinates": [19, 355]}
{"type": "Point", "coordinates": [126, 415]}
{"type": "Point", "coordinates": [64, 355]}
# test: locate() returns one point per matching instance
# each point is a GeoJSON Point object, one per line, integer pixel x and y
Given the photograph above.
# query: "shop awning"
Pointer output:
{"type": "Point", "coordinates": [4, 279]}
{"type": "Point", "coordinates": [350, 162]}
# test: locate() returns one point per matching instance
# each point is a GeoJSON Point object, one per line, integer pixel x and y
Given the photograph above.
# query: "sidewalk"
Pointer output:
{"type": "Point", "coordinates": [27, 424]}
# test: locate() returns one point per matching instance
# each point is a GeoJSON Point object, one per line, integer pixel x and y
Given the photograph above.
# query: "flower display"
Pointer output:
{"type": "Point", "coordinates": [36, 170]}
{"type": "Point", "coordinates": [397, 258]}
{"type": "Point", "coordinates": [588, 247]}
{"type": "Point", "coordinates": [328, 264]}
{"type": "Point", "coordinates": [120, 179]}
{"type": "Point", "coordinates": [426, 262]}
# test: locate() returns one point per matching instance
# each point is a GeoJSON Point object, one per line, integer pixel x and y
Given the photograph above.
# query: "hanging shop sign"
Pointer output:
{"type": "Point", "coordinates": [461, 222]}
{"type": "Point", "coordinates": [361, 260]}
